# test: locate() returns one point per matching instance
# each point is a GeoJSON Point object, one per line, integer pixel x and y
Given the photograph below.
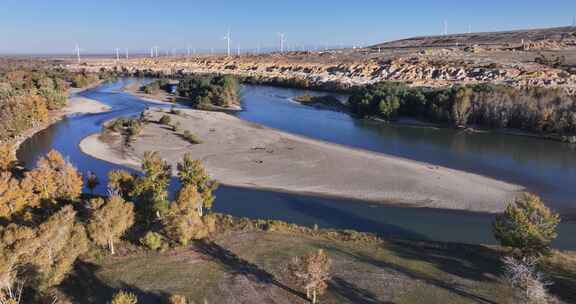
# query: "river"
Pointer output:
{"type": "Point", "coordinates": [546, 167]}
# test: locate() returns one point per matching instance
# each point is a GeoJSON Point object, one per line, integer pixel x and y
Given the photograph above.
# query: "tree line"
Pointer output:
{"type": "Point", "coordinates": [534, 109]}
{"type": "Point", "coordinates": [205, 91]}
{"type": "Point", "coordinates": [28, 95]}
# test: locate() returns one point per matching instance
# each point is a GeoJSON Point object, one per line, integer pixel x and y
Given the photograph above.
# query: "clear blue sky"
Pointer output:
{"type": "Point", "coordinates": [54, 26]}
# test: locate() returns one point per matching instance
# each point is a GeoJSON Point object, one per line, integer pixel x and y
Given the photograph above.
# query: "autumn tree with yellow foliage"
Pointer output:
{"type": "Point", "coordinates": [312, 271]}
{"type": "Point", "coordinates": [191, 172]}
{"type": "Point", "coordinates": [110, 218]}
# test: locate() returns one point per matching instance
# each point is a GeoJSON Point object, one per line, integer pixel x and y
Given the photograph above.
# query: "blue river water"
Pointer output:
{"type": "Point", "coordinates": [545, 167]}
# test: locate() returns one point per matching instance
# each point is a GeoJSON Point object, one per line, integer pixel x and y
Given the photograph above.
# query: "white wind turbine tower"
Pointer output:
{"type": "Point", "coordinates": [238, 50]}
{"type": "Point", "coordinates": [117, 54]}
{"type": "Point", "coordinates": [77, 52]}
{"type": "Point", "coordinates": [227, 38]}
{"type": "Point", "coordinates": [282, 41]}
{"type": "Point", "coordinates": [445, 31]}
{"type": "Point", "coordinates": [126, 51]}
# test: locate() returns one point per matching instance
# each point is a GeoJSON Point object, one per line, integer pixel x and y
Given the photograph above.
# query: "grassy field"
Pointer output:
{"type": "Point", "coordinates": [249, 267]}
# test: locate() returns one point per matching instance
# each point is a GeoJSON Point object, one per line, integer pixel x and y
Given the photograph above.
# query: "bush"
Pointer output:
{"type": "Point", "coordinates": [191, 138]}
{"type": "Point", "coordinates": [175, 111]}
{"type": "Point", "coordinates": [153, 241]}
{"type": "Point", "coordinates": [528, 284]}
{"type": "Point", "coordinates": [124, 298]}
{"type": "Point", "coordinates": [165, 120]}
{"type": "Point", "coordinates": [177, 299]}
{"type": "Point", "coordinates": [176, 126]}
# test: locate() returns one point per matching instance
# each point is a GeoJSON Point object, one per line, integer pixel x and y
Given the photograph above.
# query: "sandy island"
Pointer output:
{"type": "Point", "coordinates": [245, 154]}
{"type": "Point", "coordinates": [82, 105]}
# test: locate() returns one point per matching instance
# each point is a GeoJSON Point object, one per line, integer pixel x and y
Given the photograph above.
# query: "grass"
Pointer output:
{"type": "Point", "coordinates": [250, 267]}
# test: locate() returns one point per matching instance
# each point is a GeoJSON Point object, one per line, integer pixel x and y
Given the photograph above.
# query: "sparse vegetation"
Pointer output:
{"type": "Point", "coordinates": [527, 282]}
{"type": "Point", "coordinates": [165, 120]}
{"type": "Point", "coordinates": [191, 138]}
{"type": "Point", "coordinates": [324, 100]}
{"type": "Point", "coordinates": [175, 111]}
{"type": "Point", "coordinates": [129, 128]}
{"type": "Point", "coordinates": [155, 87]}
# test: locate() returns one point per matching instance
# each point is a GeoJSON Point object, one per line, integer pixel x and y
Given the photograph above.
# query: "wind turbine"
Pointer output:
{"type": "Point", "coordinates": [117, 54]}
{"type": "Point", "coordinates": [77, 52]}
{"type": "Point", "coordinates": [445, 32]}
{"type": "Point", "coordinates": [227, 38]}
{"type": "Point", "coordinates": [126, 51]}
{"type": "Point", "coordinates": [282, 40]}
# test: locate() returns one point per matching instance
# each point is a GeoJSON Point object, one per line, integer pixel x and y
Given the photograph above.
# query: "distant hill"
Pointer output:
{"type": "Point", "coordinates": [486, 38]}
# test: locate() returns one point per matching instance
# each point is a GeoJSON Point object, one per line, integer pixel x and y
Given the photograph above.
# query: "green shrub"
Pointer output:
{"type": "Point", "coordinates": [153, 241]}
{"type": "Point", "coordinates": [175, 111]}
{"type": "Point", "coordinates": [176, 126]}
{"type": "Point", "coordinates": [165, 120]}
{"type": "Point", "coordinates": [124, 298]}
{"type": "Point", "coordinates": [191, 138]}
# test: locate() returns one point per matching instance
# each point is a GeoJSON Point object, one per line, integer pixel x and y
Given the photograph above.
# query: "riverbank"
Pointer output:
{"type": "Point", "coordinates": [244, 154]}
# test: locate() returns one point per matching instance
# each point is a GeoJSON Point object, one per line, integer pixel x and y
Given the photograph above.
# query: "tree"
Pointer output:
{"type": "Point", "coordinates": [312, 271]}
{"type": "Point", "coordinates": [60, 241]}
{"type": "Point", "coordinates": [55, 178]}
{"type": "Point", "coordinates": [151, 190]}
{"type": "Point", "coordinates": [15, 196]}
{"type": "Point", "coordinates": [122, 182]}
{"type": "Point", "coordinates": [7, 157]}
{"type": "Point", "coordinates": [182, 222]}
{"type": "Point", "coordinates": [124, 297]}
{"type": "Point", "coordinates": [92, 181]}
{"type": "Point", "coordinates": [191, 172]}
{"type": "Point", "coordinates": [461, 106]}
{"type": "Point", "coordinates": [110, 219]}
{"type": "Point", "coordinates": [527, 225]}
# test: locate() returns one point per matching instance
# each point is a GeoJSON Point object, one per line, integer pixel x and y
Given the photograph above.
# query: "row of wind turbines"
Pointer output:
{"type": "Point", "coordinates": [155, 50]}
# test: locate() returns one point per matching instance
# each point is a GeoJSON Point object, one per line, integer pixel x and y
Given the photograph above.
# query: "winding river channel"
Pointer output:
{"type": "Point", "coordinates": [545, 167]}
